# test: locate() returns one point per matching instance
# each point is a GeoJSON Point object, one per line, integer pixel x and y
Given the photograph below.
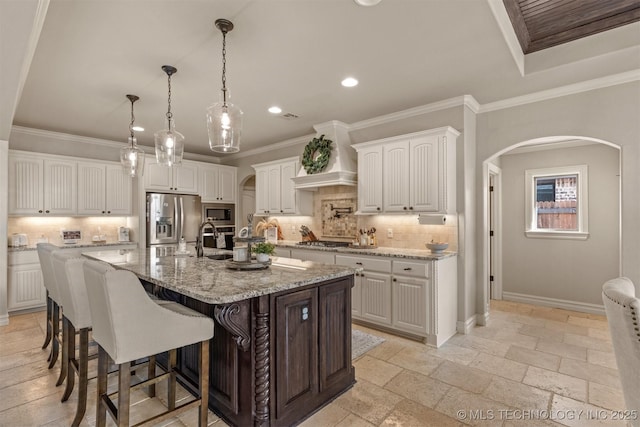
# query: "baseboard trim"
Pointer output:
{"type": "Point", "coordinates": [4, 320]}
{"type": "Point", "coordinates": [466, 326]}
{"type": "Point", "coordinates": [482, 319]}
{"type": "Point", "coordinates": [554, 302]}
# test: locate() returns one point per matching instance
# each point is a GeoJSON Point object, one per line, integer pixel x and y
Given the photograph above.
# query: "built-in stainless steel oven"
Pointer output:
{"type": "Point", "coordinates": [225, 234]}
{"type": "Point", "coordinates": [220, 214]}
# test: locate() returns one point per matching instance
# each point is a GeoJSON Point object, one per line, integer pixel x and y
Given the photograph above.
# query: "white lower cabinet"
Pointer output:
{"type": "Point", "coordinates": [415, 297]}
{"type": "Point", "coordinates": [25, 288]}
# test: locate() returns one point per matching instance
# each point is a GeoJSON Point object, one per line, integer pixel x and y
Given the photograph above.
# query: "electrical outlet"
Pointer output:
{"type": "Point", "coordinates": [390, 233]}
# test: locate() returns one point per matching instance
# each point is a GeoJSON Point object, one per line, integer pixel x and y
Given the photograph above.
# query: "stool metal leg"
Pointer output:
{"type": "Point", "coordinates": [47, 338]}
{"type": "Point", "coordinates": [151, 373]}
{"type": "Point", "coordinates": [101, 407]}
{"type": "Point", "coordinates": [204, 384]}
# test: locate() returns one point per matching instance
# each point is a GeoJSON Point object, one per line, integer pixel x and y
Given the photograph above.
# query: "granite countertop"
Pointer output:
{"type": "Point", "coordinates": [74, 246]}
{"type": "Point", "coordinates": [421, 254]}
{"type": "Point", "coordinates": [210, 280]}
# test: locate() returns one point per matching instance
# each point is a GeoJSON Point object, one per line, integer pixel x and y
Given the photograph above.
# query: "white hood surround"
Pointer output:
{"type": "Point", "coordinates": [341, 169]}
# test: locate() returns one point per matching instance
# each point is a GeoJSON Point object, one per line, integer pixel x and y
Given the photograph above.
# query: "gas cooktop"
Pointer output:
{"type": "Point", "coordinates": [324, 243]}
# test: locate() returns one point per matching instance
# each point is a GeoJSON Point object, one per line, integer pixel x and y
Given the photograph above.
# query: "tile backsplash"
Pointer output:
{"type": "Point", "coordinates": [329, 201]}
{"type": "Point", "coordinates": [49, 227]}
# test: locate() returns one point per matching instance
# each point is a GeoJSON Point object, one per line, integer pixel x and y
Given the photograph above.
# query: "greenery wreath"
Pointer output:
{"type": "Point", "coordinates": [312, 162]}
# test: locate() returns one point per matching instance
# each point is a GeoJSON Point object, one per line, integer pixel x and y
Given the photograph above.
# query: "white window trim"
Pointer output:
{"type": "Point", "coordinates": [583, 203]}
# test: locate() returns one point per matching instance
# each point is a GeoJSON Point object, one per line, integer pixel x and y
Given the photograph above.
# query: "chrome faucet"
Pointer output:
{"type": "Point", "coordinates": [199, 239]}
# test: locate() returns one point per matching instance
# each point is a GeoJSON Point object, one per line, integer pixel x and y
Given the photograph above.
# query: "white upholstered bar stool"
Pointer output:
{"type": "Point", "coordinates": [128, 325]}
{"type": "Point", "coordinates": [623, 315]}
{"type": "Point", "coordinates": [67, 267]}
{"type": "Point", "coordinates": [54, 303]}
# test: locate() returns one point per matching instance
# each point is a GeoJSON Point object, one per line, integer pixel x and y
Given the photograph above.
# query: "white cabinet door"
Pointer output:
{"type": "Point", "coordinates": [25, 288]}
{"type": "Point", "coordinates": [185, 177]}
{"type": "Point", "coordinates": [218, 184]}
{"type": "Point", "coordinates": [26, 185]}
{"type": "Point", "coordinates": [410, 304]}
{"type": "Point", "coordinates": [356, 297]}
{"type": "Point", "coordinates": [92, 188]}
{"type": "Point", "coordinates": [396, 176]}
{"type": "Point", "coordinates": [118, 191]}
{"type": "Point", "coordinates": [273, 190]}
{"type": "Point", "coordinates": [182, 178]}
{"type": "Point", "coordinates": [370, 180]}
{"type": "Point", "coordinates": [60, 187]}
{"type": "Point", "coordinates": [376, 297]}
{"type": "Point", "coordinates": [425, 172]}
{"type": "Point", "coordinates": [262, 190]}
{"type": "Point", "coordinates": [288, 170]}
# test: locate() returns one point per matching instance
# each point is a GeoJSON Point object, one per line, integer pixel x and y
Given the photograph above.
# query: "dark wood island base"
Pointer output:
{"type": "Point", "coordinates": [277, 358]}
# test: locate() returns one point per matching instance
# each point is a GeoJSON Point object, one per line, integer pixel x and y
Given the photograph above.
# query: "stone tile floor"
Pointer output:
{"type": "Point", "coordinates": [530, 366]}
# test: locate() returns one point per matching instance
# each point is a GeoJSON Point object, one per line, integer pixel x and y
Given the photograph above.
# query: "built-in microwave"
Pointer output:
{"type": "Point", "coordinates": [219, 214]}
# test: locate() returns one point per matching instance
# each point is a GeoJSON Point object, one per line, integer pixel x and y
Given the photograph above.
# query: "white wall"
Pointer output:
{"type": "Point", "coordinates": [608, 114]}
{"type": "Point", "coordinates": [572, 270]}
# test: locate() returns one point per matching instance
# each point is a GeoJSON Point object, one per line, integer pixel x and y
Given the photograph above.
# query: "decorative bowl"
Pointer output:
{"type": "Point", "coordinates": [437, 247]}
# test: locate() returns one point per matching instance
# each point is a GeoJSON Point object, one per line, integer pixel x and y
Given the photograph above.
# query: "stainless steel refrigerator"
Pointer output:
{"type": "Point", "coordinates": [172, 216]}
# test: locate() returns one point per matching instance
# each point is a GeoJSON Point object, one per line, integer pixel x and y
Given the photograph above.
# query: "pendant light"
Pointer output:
{"type": "Point", "coordinates": [169, 142]}
{"type": "Point", "coordinates": [224, 120]}
{"type": "Point", "coordinates": [131, 156]}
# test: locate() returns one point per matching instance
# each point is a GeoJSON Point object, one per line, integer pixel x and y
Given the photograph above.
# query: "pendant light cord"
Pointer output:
{"type": "Point", "coordinates": [224, 68]}
{"type": "Point", "coordinates": [133, 118]}
{"type": "Point", "coordinates": [169, 113]}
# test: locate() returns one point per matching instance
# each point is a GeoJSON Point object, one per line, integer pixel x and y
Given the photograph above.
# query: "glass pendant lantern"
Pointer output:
{"type": "Point", "coordinates": [132, 156]}
{"type": "Point", "coordinates": [169, 143]}
{"type": "Point", "coordinates": [224, 120]}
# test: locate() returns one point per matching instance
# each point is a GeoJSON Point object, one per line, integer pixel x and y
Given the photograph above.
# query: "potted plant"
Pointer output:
{"type": "Point", "coordinates": [263, 250]}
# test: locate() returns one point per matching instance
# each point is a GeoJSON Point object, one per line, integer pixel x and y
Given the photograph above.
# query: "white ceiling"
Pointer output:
{"type": "Point", "coordinates": [292, 53]}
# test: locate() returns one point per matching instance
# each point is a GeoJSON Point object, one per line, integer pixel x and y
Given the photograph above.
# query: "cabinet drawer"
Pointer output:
{"type": "Point", "coordinates": [369, 264]}
{"type": "Point", "coordinates": [415, 269]}
{"type": "Point", "coordinates": [23, 257]}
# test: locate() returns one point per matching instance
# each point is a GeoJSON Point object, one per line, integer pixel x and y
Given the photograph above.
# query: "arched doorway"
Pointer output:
{"type": "Point", "coordinates": [549, 271]}
{"type": "Point", "coordinates": [247, 200]}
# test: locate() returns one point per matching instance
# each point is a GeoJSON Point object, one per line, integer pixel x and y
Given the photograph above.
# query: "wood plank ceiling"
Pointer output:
{"type": "Point", "coordinates": [540, 24]}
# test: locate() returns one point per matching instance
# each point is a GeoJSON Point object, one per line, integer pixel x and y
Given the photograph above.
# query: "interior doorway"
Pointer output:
{"type": "Point", "coordinates": [247, 200]}
{"type": "Point", "coordinates": [495, 232]}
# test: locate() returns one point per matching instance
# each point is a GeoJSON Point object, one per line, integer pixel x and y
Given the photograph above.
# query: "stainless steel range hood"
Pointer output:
{"type": "Point", "coordinates": [341, 169]}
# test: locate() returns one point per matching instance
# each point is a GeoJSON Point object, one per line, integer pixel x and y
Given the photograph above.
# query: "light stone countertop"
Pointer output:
{"type": "Point", "coordinates": [73, 246]}
{"type": "Point", "coordinates": [419, 254]}
{"type": "Point", "coordinates": [210, 280]}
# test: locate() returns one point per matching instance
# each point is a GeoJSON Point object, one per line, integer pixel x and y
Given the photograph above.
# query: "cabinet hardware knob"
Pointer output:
{"type": "Point", "coordinates": [108, 212]}
{"type": "Point", "coordinates": [281, 211]}
{"type": "Point", "coordinates": [47, 211]}
{"type": "Point", "coordinates": [395, 280]}
{"type": "Point", "coordinates": [358, 263]}
{"type": "Point", "coordinates": [407, 269]}
{"type": "Point", "coordinates": [410, 208]}
{"type": "Point", "coordinates": [405, 208]}
{"type": "Point", "coordinates": [378, 208]}
{"type": "Point", "coordinates": [40, 211]}
{"type": "Point", "coordinates": [102, 211]}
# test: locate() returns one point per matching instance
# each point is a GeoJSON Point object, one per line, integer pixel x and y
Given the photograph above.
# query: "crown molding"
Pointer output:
{"type": "Point", "coordinates": [77, 139]}
{"type": "Point", "coordinates": [585, 86]}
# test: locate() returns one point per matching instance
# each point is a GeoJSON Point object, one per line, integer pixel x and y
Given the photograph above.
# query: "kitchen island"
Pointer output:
{"type": "Point", "coordinates": [282, 342]}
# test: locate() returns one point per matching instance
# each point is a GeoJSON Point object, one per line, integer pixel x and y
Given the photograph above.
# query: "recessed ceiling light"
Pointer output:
{"type": "Point", "coordinates": [350, 82]}
{"type": "Point", "coordinates": [367, 2]}
{"type": "Point", "coordinates": [138, 128]}
{"type": "Point", "coordinates": [275, 110]}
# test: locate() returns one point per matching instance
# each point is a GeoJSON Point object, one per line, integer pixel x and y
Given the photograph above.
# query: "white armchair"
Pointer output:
{"type": "Point", "coordinates": [623, 314]}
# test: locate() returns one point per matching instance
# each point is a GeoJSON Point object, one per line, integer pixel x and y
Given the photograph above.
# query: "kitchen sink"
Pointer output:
{"type": "Point", "coordinates": [220, 256]}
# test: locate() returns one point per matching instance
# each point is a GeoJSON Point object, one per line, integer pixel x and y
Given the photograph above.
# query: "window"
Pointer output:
{"type": "Point", "coordinates": [557, 202]}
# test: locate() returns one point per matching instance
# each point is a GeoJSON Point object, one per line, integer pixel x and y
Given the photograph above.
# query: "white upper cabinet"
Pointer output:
{"type": "Point", "coordinates": [175, 179]}
{"type": "Point", "coordinates": [275, 194]}
{"type": "Point", "coordinates": [103, 189]}
{"type": "Point", "coordinates": [42, 186]}
{"type": "Point", "coordinates": [370, 180]}
{"type": "Point", "coordinates": [408, 173]}
{"type": "Point", "coordinates": [218, 184]}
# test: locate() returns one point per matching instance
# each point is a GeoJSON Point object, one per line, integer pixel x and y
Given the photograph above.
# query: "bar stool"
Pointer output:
{"type": "Point", "coordinates": [69, 274]}
{"type": "Point", "coordinates": [128, 325]}
{"type": "Point", "coordinates": [54, 304]}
